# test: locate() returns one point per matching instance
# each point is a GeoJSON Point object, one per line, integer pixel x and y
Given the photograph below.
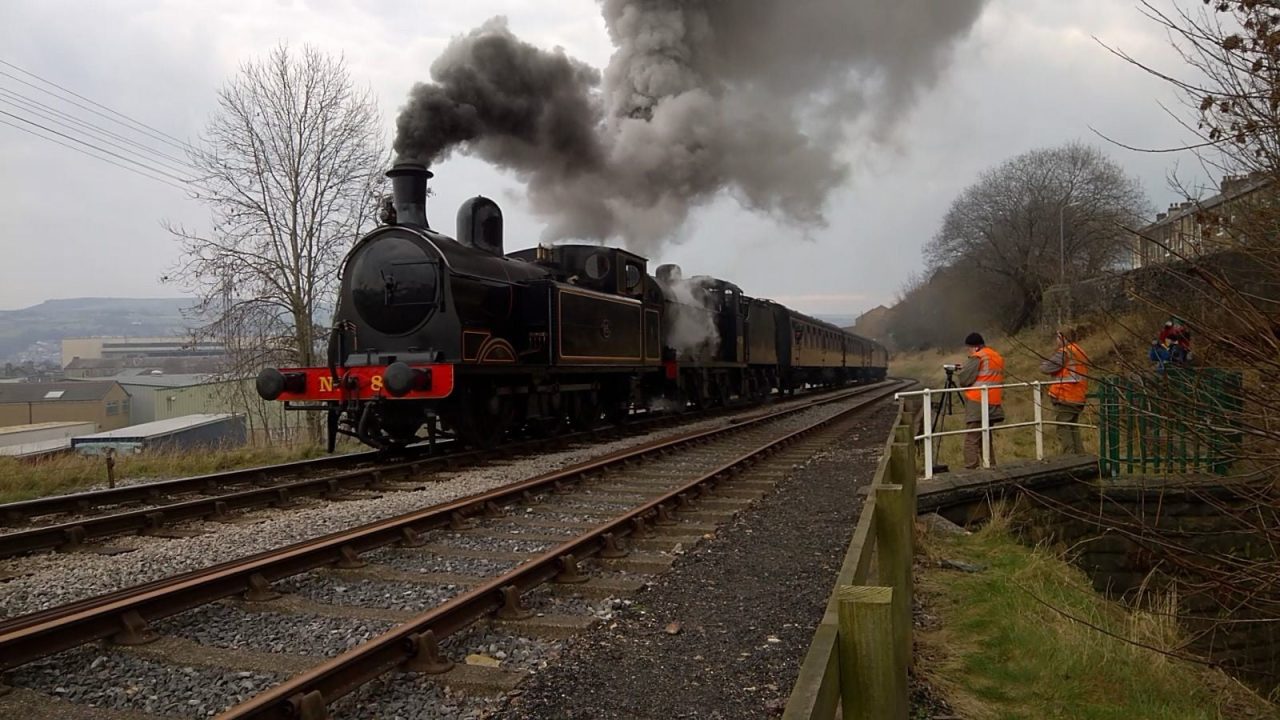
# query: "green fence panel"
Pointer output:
{"type": "Point", "coordinates": [1181, 420]}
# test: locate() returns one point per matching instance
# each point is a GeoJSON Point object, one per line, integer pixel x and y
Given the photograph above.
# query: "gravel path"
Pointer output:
{"type": "Point", "coordinates": [745, 607]}
{"type": "Point", "coordinates": [49, 580]}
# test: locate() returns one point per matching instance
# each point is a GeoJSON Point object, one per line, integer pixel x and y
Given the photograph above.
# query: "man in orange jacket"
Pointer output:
{"type": "Point", "coordinates": [1069, 365]}
{"type": "Point", "coordinates": [985, 366]}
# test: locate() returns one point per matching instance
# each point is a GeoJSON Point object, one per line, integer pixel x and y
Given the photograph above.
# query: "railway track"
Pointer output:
{"type": "Point", "coordinates": [156, 508]}
{"type": "Point", "coordinates": [560, 519]}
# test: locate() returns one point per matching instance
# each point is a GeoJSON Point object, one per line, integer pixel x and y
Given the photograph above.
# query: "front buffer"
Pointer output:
{"type": "Point", "coordinates": [377, 399]}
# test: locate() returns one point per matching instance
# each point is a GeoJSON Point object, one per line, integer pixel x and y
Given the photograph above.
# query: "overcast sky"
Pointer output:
{"type": "Point", "coordinates": [1029, 75]}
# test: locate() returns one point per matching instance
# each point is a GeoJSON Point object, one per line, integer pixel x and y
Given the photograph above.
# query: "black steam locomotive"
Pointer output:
{"type": "Point", "coordinates": [453, 335]}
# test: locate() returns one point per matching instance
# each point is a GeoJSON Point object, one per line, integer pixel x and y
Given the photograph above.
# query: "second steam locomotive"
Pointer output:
{"type": "Point", "coordinates": [452, 334]}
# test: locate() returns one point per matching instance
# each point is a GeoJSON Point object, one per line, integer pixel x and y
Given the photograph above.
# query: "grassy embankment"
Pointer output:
{"type": "Point", "coordinates": [1012, 641]}
{"type": "Point", "coordinates": [1023, 354]}
{"type": "Point", "coordinates": [23, 480]}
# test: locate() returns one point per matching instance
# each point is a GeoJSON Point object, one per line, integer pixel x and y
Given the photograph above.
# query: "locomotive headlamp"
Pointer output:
{"type": "Point", "coordinates": [399, 379]}
{"type": "Point", "coordinates": [272, 383]}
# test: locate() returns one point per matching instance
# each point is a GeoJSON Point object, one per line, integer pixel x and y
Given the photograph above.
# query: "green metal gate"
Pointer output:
{"type": "Point", "coordinates": [1181, 420]}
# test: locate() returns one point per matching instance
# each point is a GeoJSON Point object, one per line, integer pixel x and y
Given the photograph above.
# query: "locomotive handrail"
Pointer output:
{"type": "Point", "coordinates": [1038, 422]}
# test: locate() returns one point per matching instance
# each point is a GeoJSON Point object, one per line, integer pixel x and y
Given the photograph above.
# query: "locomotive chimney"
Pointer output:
{"type": "Point", "coordinates": [409, 193]}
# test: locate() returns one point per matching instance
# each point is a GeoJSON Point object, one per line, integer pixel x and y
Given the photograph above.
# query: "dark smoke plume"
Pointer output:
{"type": "Point", "coordinates": [750, 97]}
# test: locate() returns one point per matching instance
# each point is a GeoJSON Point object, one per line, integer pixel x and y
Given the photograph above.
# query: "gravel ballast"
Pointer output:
{"type": "Point", "coordinates": [722, 634]}
{"type": "Point", "coordinates": [369, 593]}
{"type": "Point", "coordinates": [119, 681]}
{"type": "Point", "coordinates": [513, 652]}
{"type": "Point", "coordinates": [228, 627]}
{"type": "Point", "coordinates": [402, 696]}
{"type": "Point", "coordinates": [423, 562]}
{"type": "Point", "coordinates": [513, 545]}
{"type": "Point", "coordinates": [47, 580]}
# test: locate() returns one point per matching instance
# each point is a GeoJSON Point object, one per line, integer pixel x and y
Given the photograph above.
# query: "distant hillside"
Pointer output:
{"type": "Point", "coordinates": [35, 333]}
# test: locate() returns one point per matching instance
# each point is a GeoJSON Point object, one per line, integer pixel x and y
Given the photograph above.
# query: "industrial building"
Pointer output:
{"type": "Point", "coordinates": [104, 403]}
{"type": "Point", "coordinates": [189, 432]}
{"type": "Point", "coordinates": [95, 348]}
{"type": "Point", "coordinates": [160, 396]}
{"type": "Point", "coordinates": [93, 368]}
{"type": "Point", "coordinates": [25, 441]}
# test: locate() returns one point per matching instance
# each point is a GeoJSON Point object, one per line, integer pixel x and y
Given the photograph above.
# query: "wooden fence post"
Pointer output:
{"type": "Point", "coordinates": [111, 468]}
{"type": "Point", "coordinates": [894, 526]}
{"type": "Point", "coordinates": [902, 433]}
{"type": "Point", "coordinates": [873, 680]}
{"type": "Point", "coordinates": [902, 470]}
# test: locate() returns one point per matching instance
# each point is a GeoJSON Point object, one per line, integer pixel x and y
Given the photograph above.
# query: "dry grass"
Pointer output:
{"type": "Point", "coordinates": [1029, 638]}
{"type": "Point", "coordinates": [23, 480]}
{"type": "Point", "coordinates": [1023, 354]}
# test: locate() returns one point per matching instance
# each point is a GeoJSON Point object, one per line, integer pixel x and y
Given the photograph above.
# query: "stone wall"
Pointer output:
{"type": "Point", "coordinates": [1183, 534]}
{"type": "Point", "coordinates": [1124, 292]}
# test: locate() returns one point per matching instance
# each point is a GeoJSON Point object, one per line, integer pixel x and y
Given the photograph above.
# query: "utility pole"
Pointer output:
{"type": "Point", "coordinates": [1062, 242]}
{"type": "Point", "coordinates": [1062, 256]}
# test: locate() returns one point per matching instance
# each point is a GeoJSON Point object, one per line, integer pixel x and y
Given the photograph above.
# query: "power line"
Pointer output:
{"type": "Point", "coordinates": [184, 145]}
{"type": "Point", "coordinates": [151, 155]}
{"type": "Point", "coordinates": [99, 149]}
{"type": "Point", "coordinates": [137, 126]}
{"type": "Point", "coordinates": [31, 101]}
{"type": "Point", "coordinates": [96, 157]}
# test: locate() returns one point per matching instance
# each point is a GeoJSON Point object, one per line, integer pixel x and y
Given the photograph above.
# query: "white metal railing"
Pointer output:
{"type": "Point", "coordinates": [985, 428]}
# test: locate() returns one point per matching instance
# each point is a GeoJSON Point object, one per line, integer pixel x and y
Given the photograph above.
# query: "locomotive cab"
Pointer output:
{"type": "Point", "coordinates": [594, 267]}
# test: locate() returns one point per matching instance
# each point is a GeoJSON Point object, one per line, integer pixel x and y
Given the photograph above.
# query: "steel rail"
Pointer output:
{"type": "Point", "coordinates": [160, 492]}
{"type": "Point", "coordinates": [307, 695]}
{"type": "Point", "coordinates": [127, 613]}
{"type": "Point", "coordinates": [73, 534]}
{"type": "Point", "coordinates": [269, 489]}
{"type": "Point", "coordinates": [22, 511]}
{"type": "Point", "coordinates": [70, 608]}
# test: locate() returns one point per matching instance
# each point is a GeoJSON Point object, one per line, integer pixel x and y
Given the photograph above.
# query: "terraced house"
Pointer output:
{"type": "Point", "coordinates": [1195, 228]}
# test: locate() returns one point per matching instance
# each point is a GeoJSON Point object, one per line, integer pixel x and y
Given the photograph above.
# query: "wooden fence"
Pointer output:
{"type": "Point", "coordinates": [861, 651]}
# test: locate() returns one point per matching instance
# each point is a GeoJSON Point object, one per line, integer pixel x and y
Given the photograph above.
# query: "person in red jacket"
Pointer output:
{"type": "Point", "coordinates": [1177, 338]}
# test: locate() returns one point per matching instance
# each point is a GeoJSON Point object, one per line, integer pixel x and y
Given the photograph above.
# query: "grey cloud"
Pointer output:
{"type": "Point", "coordinates": [749, 97]}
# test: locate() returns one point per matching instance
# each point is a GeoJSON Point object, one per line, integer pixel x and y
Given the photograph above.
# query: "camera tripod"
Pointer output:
{"type": "Point", "coordinates": [943, 407]}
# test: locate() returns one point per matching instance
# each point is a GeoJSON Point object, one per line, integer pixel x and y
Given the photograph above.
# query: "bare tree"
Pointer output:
{"type": "Point", "coordinates": [1231, 54]}
{"type": "Point", "coordinates": [1222, 278]}
{"type": "Point", "coordinates": [1040, 218]}
{"type": "Point", "coordinates": [290, 169]}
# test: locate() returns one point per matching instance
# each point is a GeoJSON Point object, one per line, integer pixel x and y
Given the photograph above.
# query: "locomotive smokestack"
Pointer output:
{"type": "Point", "coordinates": [409, 192]}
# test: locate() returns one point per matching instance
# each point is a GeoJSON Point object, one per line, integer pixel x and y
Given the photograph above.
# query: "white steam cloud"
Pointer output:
{"type": "Point", "coordinates": [691, 313]}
